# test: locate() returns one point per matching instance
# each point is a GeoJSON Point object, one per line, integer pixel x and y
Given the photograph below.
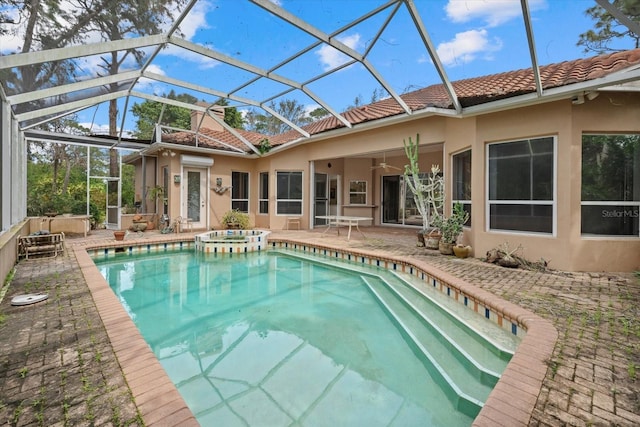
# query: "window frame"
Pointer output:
{"type": "Point", "coordinates": [358, 193]}
{"type": "Point", "coordinates": [523, 202]}
{"type": "Point", "coordinates": [604, 204]}
{"type": "Point", "coordinates": [234, 185]}
{"type": "Point", "coordinates": [289, 200]}
{"type": "Point", "coordinates": [263, 193]}
{"type": "Point", "coordinates": [466, 203]}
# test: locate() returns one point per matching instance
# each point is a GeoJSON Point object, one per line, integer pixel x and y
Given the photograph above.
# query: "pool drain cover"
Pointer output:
{"type": "Point", "coordinates": [28, 299]}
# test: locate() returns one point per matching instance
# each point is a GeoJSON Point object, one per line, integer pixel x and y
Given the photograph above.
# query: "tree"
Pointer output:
{"type": "Point", "coordinates": [148, 115]}
{"type": "Point", "coordinates": [358, 101]}
{"type": "Point", "coordinates": [232, 116]}
{"type": "Point", "coordinates": [319, 113]}
{"type": "Point", "coordinates": [270, 125]}
{"type": "Point", "coordinates": [608, 28]}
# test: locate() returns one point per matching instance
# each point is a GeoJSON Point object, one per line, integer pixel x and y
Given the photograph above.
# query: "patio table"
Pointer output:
{"type": "Point", "coordinates": [342, 220]}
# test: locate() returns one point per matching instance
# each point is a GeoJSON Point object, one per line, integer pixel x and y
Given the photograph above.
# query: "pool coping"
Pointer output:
{"type": "Point", "coordinates": [511, 402]}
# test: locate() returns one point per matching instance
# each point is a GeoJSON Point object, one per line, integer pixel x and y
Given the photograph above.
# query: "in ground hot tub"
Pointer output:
{"type": "Point", "coordinates": [232, 241]}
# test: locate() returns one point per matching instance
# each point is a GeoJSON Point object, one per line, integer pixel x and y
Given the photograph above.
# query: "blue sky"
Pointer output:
{"type": "Point", "coordinates": [472, 38]}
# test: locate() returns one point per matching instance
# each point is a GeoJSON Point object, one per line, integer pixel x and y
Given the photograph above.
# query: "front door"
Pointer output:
{"type": "Point", "coordinates": [194, 196]}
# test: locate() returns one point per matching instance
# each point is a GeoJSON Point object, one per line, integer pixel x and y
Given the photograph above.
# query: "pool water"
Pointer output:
{"type": "Point", "coordinates": [273, 338]}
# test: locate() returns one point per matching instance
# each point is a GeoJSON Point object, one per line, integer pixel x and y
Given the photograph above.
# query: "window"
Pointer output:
{"type": "Point", "coordinates": [289, 193]}
{"type": "Point", "coordinates": [610, 185]}
{"type": "Point", "coordinates": [263, 201]}
{"type": "Point", "coordinates": [240, 191]}
{"type": "Point", "coordinates": [521, 185]}
{"type": "Point", "coordinates": [358, 192]}
{"type": "Point", "coordinates": [462, 182]}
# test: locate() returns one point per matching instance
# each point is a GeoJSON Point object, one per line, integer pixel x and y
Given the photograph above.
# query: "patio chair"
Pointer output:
{"type": "Point", "coordinates": [182, 224]}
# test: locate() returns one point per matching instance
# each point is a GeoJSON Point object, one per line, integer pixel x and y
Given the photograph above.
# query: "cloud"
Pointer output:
{"type": "Point", "coordinates": [466, 47]}
{"type": "Point", "coordinates": [196, 19]}
{"type": "Point", "coordinates": [331, 57]}
{"type": "Point", "coordinates": [493, 12]}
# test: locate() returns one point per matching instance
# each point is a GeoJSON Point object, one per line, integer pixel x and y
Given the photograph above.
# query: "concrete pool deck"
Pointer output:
{"type": "Point", "coordinates": [75, 360]}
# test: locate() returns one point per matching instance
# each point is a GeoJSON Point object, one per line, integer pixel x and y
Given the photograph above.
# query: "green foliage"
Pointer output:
{"type": "Point", "coordinates": [148, 113]}
{"type": "Point", "coordinates": [264, 146]}
{"type": "Point", "coordinates": [319, 113]}
{"type": "Point", "coordinates": [608, 163]}
{"type": "Point", "coordinates": [451, 226]}
{"type": "Point", "coordinates": [608, 29]}
{"type": "Point", "coordinates": [235, 219]}
{"type": "Point", "coordinates": [232, 116]}
{"type": "Point", "coordinates": [290, 109]}
{"type": "Point", "coordinates": [428, 194]}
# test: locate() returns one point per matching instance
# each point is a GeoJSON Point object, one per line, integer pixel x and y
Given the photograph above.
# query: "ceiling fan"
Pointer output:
{"type": "Point", "coordinates": [383, 164]}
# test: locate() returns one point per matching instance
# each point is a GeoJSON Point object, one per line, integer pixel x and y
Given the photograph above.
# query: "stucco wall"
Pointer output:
{"type": "Point", "coordinates": [351, 155]}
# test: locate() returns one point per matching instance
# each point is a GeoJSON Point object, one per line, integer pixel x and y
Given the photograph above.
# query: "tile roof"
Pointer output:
{"type": "Point", "coordinates": [470, 92]}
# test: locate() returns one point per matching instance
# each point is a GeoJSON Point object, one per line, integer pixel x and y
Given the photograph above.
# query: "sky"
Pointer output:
{"type": "Point", "coordinates": [472, 38]}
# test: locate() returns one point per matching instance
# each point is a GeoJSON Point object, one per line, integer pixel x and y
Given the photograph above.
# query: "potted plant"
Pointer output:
{"type": "Point", "coordinates": [428, 194]}
{"type": "Point", "coordinates": [156, 193]}
{"type": "Point", "coordinates": [451, 228]}
{"type": "Point", "coordinates": [461, 250]}
{"type": "Point", "coordinates": [234, 219]}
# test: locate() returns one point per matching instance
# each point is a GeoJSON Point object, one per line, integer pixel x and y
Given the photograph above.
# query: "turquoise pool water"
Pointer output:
{"type": "Point", "coordinates": [277, 339]}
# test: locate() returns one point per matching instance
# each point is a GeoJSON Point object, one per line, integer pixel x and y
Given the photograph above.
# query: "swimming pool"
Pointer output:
{"type": "Point", "coordinates": [303, 342]}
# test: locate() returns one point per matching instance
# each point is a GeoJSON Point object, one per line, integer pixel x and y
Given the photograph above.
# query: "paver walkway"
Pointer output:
{"type": "Point", "coordinates": [57, 366]}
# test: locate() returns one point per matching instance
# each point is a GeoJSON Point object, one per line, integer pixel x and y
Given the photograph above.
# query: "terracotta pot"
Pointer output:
{"type": "Point", "coordinates": [446, 248]}
{"type": "Point", "coordinates": [432, 239]}
{"type": "Point", "coordinates": [119, 234]}
{"type": "Point", "coordinates": [462, 251]}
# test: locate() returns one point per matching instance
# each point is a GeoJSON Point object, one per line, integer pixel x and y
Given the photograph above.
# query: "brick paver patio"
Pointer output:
{"type": "Point", "coordinates": [58, 365]}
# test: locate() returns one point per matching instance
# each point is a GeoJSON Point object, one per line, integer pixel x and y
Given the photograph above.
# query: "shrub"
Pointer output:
{"type": "Point", "coordinates": [235, 219]}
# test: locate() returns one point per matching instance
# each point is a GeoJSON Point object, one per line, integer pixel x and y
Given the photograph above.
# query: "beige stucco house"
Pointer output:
{"type": "Point", "coordinates": [557, 175]}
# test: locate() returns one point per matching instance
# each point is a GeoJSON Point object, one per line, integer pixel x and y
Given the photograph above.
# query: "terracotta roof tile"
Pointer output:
{"type": "Point", "coordinates": [473, 91]}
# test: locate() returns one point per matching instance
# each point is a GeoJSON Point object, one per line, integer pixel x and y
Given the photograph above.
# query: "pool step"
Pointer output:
{"type": "Point", "coordinates": [486, 349]}
{"type": "Point", "coordinates": [467, 388]}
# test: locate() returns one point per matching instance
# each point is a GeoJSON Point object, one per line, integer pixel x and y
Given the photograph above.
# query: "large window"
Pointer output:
{"type": "Point", "coordinates": [357, 192]}
{"type": "Point", "coordinates": [611, 185]}
{"type": "Point", "coordinates": [289, 193]}
{"type": "Point", "coordinates": [521, 185]}
{"type": "Point", "coordinates": [240, 191]}
{"type": "Point", "coordinates": [263, 201]}
{"type": "Point", "coordinates": [462, 181]}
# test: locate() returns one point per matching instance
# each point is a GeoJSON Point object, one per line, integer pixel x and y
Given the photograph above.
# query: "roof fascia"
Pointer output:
{"type": "Point", "coordinates": [272, 8]}
{"type": "Point", "coordinates": [157, 146]}
{"type": "Point", "coordinates": [565, 92]}
{"type": "Point", "coordinates": [422, 30]}
{"type": "Point", "coordinates": [29, 58]}
{"type": "Point", "coordinates": [554, 94]}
